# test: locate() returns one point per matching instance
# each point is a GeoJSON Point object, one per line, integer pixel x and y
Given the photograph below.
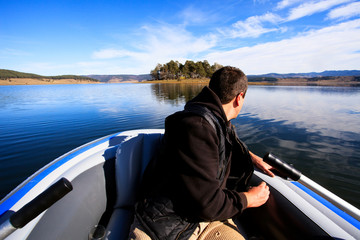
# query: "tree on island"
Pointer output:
{"type": "Point", "coordinates": [176, 70]}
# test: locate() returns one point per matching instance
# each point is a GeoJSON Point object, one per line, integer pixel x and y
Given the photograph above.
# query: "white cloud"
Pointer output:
{"type": "Point", "coordinates": [331, 48]}
{"type": "Point", "coordinates": [157, 44]}
{"type": "Point", "coordinates": [192, 15]}
{"type": "Point", "coordinates": [55, 68]}
{"type": "Point", "coordinates": [110, 53]}
{"type": "Point", "coordinates": [286, 3]}
{"type": "Point", "coordinates": [309, 8]}
{"type": "Point", "coordinates": [345, 12]}
{"type": "Point", "coordinates": [260, 1]}
{"type": "Point", "coordinates": [172, 41]}
{"type": "Point", "coordinates": [6, 52]}
{"type": "Point", "coordinates": [168, 42]}
{"type": "Point", "coordinates": [41, 68]}
{"type": "Point", "coordinates": [162, 42]}
{"type": "Point", "coordinates": [252, 26]}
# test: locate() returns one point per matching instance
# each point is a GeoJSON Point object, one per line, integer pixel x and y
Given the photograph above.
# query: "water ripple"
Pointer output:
{"type": "Point", "coordinates": [315, 129]}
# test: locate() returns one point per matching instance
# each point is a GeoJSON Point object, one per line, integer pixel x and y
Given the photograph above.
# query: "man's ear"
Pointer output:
{"type": "Point", "coordinates": [239, 98]}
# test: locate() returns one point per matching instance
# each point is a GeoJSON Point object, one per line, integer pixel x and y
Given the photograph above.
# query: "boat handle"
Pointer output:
{"type": "Point", "coordinates": [284, 168]}
{"type": "Point", "coordinates": [35, 207]}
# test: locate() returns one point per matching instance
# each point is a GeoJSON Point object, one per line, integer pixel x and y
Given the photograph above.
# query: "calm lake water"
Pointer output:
{"type": "Point", "coordinates": [317, 129]}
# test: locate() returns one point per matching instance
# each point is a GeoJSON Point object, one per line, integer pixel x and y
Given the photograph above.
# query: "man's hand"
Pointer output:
{"type": "Point", "coordinates": [257, 196]}
{"type": "Point", "coordinates": [263, 166]}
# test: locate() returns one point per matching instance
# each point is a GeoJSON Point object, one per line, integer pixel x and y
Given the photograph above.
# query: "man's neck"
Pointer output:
{"type": "Point", "coordinates": [229, 111]}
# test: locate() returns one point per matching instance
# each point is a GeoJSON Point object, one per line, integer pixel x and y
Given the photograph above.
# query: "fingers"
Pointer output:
{"type": "Point", "coordinates": [263, 194]}
{"type": "Point", "coordinates": [268, 172]}
{"type": "Point", "coordinates": [257, 196]}
{"type": "Point", "coordinates": [264, 167]}
{"type": "Point", "coordinates": [265, 190]}
{"type": "Point", "coordinates": [262, 184]}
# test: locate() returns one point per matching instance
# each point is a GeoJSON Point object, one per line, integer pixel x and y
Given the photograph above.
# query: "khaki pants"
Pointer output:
{"type": "Point", "coordinates": [217, 230]}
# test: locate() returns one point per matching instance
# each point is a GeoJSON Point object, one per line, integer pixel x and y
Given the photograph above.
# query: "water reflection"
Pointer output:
{"type": "Point", "coordinates": [177, 94]}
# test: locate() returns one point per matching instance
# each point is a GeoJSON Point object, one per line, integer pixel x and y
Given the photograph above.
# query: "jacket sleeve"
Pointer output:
{"type": "Point", "coordinates": [196, 161]}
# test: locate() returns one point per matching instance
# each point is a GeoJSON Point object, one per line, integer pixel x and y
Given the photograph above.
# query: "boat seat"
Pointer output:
{"type": "Point", "coordinates": [132, 157]}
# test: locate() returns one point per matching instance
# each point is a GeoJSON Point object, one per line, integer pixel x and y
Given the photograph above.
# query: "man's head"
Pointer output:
{"type": "Point", "coordinates": [227, 83]}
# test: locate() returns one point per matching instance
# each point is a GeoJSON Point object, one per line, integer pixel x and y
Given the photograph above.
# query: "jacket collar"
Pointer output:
{"type": "Point", "coordinates": [209, 99]}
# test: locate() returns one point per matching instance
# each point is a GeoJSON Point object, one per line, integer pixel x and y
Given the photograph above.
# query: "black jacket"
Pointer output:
{"type": "Point", "coordinates": [186, 170]}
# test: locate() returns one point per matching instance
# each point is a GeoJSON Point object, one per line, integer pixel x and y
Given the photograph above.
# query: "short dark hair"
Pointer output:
{"type": "Point", "coordinates": [227, 83]}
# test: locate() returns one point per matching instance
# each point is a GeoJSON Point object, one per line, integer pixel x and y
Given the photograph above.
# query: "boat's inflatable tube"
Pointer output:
{"type": "Point", "coordinates": [290, 172]}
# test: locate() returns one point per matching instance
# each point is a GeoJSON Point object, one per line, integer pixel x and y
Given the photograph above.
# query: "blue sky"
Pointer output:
{"type": "Point", "coordinates": [131, 37]}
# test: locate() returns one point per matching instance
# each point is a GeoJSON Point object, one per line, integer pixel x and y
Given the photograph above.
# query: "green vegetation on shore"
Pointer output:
{"type": "Point", "coordinates": [8, 74]}
{"type": "Point", "coordinates": [193, 72]}
{"type": "Point", "coordinates": [176, 70]}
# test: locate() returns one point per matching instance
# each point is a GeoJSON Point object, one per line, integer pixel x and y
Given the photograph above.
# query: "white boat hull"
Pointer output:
{"type": "Point", "coordinates": [293, 210]}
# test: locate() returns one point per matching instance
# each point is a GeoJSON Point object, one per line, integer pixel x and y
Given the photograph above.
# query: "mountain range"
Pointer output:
{"type": "Point", "coordinates": [120, 78]}
{"type": "Point", "coordinates": [143, 77]}
{"type": "Point", "coordinates": [312, 74]}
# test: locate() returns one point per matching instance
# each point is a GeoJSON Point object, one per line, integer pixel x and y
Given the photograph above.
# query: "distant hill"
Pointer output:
{"type": "Point", "coordinates": [8, 74]}
{"type": "Point", "coordinates": [121, 78]}
{"type": "Point", "coordinates": [311, 74]}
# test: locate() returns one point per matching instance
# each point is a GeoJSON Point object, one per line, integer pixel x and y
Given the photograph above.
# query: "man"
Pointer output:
{"type": "Point", "coordinates": [199, 180]}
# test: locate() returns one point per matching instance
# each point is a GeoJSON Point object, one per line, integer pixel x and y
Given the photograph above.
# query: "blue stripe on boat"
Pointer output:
{"type": "Point", "coordinates": [6, 205]}
{"type": "Point", "coordinates": [329, 205]}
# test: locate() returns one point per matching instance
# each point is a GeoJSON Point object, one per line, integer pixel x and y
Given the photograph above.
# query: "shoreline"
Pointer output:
{"type": "Point", "coordinates": [278, 82]}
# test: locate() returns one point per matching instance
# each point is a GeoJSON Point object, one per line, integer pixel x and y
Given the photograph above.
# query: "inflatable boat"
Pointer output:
{"type": "Point", "coordinates": [95, 185]}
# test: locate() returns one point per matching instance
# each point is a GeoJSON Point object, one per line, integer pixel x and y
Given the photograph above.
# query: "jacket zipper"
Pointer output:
{"type": "Point", "coordinates": [182, 231]}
